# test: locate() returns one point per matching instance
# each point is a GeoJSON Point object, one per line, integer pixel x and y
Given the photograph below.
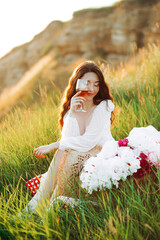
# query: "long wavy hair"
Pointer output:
{"type": "Point", "coordinates": [103, 94]}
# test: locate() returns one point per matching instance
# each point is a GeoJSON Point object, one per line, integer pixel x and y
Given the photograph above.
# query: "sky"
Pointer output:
{"type": "Point", "coordinates": [21, 20]}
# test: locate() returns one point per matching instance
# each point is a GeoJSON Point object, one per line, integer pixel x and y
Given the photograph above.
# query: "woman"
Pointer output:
{"type": "Point", "coordinates": [87, 148]}
{"type": "Point", "coordinates": [83, 133]}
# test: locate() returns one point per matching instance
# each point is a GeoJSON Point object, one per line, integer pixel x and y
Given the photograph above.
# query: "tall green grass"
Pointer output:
{"type": "Point", "coordinates": [129, 212]}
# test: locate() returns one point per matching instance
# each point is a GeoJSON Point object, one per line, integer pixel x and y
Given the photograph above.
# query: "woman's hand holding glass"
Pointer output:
{"type": "Point", "coordinates": [82, 87]}
{"type": "Point", "coordinates": [76, 102]}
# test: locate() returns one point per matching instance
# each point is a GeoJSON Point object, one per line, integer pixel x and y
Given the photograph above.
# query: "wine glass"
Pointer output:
{"type": "Point", "coordinates": [82, 85]}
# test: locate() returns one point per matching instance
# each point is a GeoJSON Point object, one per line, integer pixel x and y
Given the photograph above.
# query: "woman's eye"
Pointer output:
{"type": "Point", "coordinates": [96, 85]}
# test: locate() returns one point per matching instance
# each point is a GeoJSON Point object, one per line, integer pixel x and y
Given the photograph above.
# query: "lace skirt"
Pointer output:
{"type": "Point", "coordinates": [70, 167]}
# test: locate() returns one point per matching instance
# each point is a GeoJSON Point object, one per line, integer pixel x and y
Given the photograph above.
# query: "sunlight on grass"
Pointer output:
{"type": "Point", "coordinates": [129, 212]}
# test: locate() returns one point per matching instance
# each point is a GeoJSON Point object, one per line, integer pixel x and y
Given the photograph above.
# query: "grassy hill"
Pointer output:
{"type": "Point", "coordinates": [124, 213]}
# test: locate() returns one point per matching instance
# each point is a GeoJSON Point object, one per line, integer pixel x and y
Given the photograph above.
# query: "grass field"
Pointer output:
{"type": "Point", "coordinates": [125, 213]}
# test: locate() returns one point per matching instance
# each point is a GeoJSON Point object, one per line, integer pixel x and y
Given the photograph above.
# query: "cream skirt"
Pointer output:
{"type": "Point", "coordinates": [70, 167]}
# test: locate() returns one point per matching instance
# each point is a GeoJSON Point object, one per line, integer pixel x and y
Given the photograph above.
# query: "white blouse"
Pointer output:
{"type": "Point", "coordinates": [97, 132]}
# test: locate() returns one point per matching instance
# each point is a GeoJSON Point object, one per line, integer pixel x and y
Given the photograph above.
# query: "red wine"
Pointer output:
{"type": "Point", "coordinates": [83, 93]}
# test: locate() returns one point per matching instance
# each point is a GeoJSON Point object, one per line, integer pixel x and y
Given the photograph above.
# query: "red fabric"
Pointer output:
{"type": "Point", "coordinates": [33, 184]}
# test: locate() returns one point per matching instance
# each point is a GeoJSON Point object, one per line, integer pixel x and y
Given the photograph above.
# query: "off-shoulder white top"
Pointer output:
{"type": "Point", "coordinates": [97, 132]}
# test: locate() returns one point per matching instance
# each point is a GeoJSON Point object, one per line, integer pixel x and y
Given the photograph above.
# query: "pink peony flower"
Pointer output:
{"type": "Point", "coordinates": [123, 143]}
{"type": "Point", "coordinates": [120, 143]}
{"type": "Point", "coordinates": [143, 156]}
{"type": "Point", "coordinates": [145, 167]}
{"type": "Point", "coordinates": [139, 173]}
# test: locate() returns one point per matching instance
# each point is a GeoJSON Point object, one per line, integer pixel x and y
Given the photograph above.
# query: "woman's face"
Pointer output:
{"type": "Point", "coordinates": [93, 86]}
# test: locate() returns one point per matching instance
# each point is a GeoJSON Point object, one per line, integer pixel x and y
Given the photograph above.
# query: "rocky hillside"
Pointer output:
{"type": "Point", "coordinates": [111, 33]}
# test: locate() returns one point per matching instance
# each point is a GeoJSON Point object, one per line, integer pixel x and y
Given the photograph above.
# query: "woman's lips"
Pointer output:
{"type": "Point", "coordinates": [90, 94]}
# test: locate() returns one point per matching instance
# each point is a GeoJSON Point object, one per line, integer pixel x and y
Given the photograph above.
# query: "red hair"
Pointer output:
{"type": "Point", "coordinates": [84, 67]}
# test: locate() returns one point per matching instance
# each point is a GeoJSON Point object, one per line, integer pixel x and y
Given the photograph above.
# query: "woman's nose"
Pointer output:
{"type": "Point", "coordinates": [90, 87]}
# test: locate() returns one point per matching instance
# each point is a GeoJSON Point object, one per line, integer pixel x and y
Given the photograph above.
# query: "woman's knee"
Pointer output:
{"type": "Point", "coordinates": [57, 157]}
{"type": "Point", "coordinates": [58, 153]}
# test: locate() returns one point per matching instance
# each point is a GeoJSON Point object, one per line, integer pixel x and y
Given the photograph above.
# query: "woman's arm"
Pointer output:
{"type": "Point", "coordinates": [75, 101]}
{"type": "Point", "coordinates": [70, 127]}
{"type": "Point", "coordinates": [38, 152]}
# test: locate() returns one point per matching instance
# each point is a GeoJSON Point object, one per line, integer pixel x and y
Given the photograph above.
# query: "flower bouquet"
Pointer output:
{"type": "Point", "coordinates": [149, 165]}
{"type": "Point", "coordinates": [137, 156]}
{"type": "Point", "coordinates": [145, 164]}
